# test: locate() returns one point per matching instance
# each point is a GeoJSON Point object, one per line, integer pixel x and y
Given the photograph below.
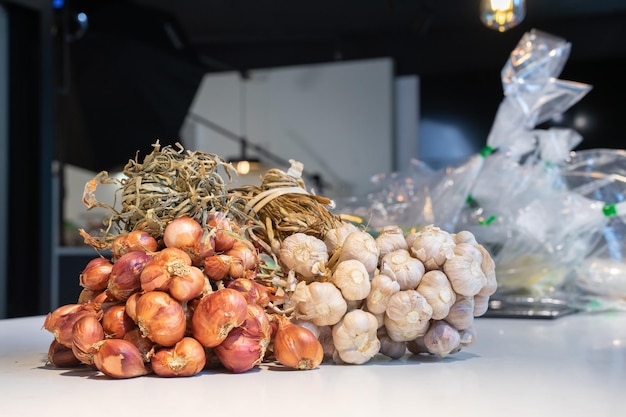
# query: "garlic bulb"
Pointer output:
{"type": "Point", "coordinates": [391, 238]}
{"type": "Point", "coordinates": [431, 245]}
{"type": "Point", "coordinates": [407, 315]}
{"type": "Point", "coordinates": [481, 305]}
{"type": "Point", "coordinates": [441, 339]}
{"type": "Point", "coordinates": [361, 246]}
{"type": "Point", "coordinates": [355, 338]}
{"type": "Point", "coordinates": [468, 337]}
{"type": "Point", "coordinates": [382, 287]}
{"type": "Point", "coordinates": [417, 346]}
{"type": "Point", "coordinates": [319, 302]}
{"type": "Point", "coordinates": [351, 277]}
{"type": "Point", "coordinates": [314, 328]}
{"type": "Point", "coordinates": [325, 336]}
{"type": "Point", "coordinates": [403, 268]}
{"type": "Point", "coordinates": [390, 347]}
{"type": "Point", "coordinates": [464, 236]}
{"type": "Point", "coordinates": [461, 314]}
{"type": "Point", "coordinates": [334, 238]}
{"type": "Point", "coordinates": [464, 270]}
{"type": "Point", "coordinates": [304, 254]}
{"type": "Point", "coordinates": [489, 269]}
{"type": "Point", "coordinates": [379, 317]}
{"type": "Point", "coordinates": [438, 291]}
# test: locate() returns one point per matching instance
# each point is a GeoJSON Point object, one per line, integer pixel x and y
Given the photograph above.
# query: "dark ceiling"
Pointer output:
{"type": "Point", "coordinates": [140, 62]}
{"type": "Point", "coordinates": [422, 36]}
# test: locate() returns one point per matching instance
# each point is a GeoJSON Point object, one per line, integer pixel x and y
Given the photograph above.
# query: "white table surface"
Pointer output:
{"type": "Point", "coordinates": [570, 366]}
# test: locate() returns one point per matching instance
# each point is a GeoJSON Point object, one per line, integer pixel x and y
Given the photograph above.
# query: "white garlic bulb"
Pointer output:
{"type": "Point", "coordinates": [391, 238]}
{"type": "Point", "coordinates": [417, 346]}
{"type": "Point", "coordinates": [326, 339]}
{"type": "Point", "coordinates": [468, 336]}
{"type": "Point", "coordinates": [441, 339]}
{"type": "Point", "coordinates": [481, 305]}
{"type": "Point", "coordinates": [319, 302]}
{"type": "Point", "coordinates": [355, 338]}
{"type": "Point", "coordinates": [431, 245]}
{"type": "Point", "coordinates": [351, 277]}
{"type": "Point", "coordinates": [315, 329]}
{"type": "Point", "coordinates": [489, 269]}
{"type": "Point", "coordinates": [438, 291]}
{"type": "Point", "coordinates": [382, 287]}
{"type": "Point", "coordinates": [388, 346]}
{"type": "Point", "coordinates": [379, 316]}
{"type": "Point", "coordinates": [464, 236]}
{"type": "Point", "coordinates": [461, 314]}
{"type": "Point", "coordinates": [464, 270]}
{"type": "Point", "coordinates": [361, 246]}
{"type": "Point", "coordinates": [407, 315]}
{"type": "Point", "coordinates": [334, 238]}
{"type": "Point", "coordinates": [402, 267]}
{"type": "Point", "coordinates": [304, 254]}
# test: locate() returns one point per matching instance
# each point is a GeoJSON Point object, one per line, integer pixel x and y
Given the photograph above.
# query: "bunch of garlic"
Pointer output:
{"type": "Point", "coordinates": [390, 294]}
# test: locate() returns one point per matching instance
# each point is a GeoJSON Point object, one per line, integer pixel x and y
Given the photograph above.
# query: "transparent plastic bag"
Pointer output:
{"type": "Point", "coordinates": [600, 174]}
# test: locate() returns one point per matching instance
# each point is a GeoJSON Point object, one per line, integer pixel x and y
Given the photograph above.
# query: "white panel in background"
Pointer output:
{"type": "Point", "coordinates": [407, 115]}
{"type": "Point", "coordinates": [218, 100]}
{"type": "Point", "coordinates": [335, 118]}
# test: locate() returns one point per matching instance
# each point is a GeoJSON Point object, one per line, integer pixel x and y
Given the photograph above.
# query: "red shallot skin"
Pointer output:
{"type": "Point", "coordinates": [253, 291]}
{"type": "Point", "coordinates": [245, 346]}
{"type": "Point", "coordinates": [130, 306]}
{"type": "Point", "coordinates": [245, 258]}
{"type": "Point", "coordinates": [217, 267]}
{"type": "Point", "coordinates": [61, 356]}
{"type": "Point", "coordinates": [125, 275]}
{"type": "Point", "coordinates": [116, 323]}
{"type": "Point", "coordinates": [216, 315]}
{"type": "Point", "coordinates": [158, 272]}
{"type": "Point", "coordinates": [188, 286]}
{"type": "Point", "coordinates": [119, 358]}
{"type": "Point", "coordinates": [85, 333]}
{"type": "Point", "coordinates": [226, 232]}
{"type": "Point", "coordinates": [161, 318]}
{"type": "Point", "coordinates": [60, 322]}
{"type": "Point", "coordinates": [87, 295]}
{"type": "Point", "coordinates": [95, 275]}
{"type": "Point", "coordinates": [136, 240]}
{"type": "Point", "coordinates": [182, 233]}
{"type": "Point", "coordinates": [239, 353]}
{"type": "Point", "coordinates": [146, 346]}
{"type": "Point", "coordinates": [188, 235]}
{"type": "Point", "coordinates": [186, 358]}
{"type": "Point", "coordinates": [296, 346]}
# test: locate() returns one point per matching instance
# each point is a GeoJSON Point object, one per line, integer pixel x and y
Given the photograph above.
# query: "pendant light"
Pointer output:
{"type": "Point", "coordinates": [502, 15]}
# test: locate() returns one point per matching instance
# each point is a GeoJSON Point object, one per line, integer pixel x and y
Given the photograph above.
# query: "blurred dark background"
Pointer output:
{"type": "Point", "coordinates": [134, 70]}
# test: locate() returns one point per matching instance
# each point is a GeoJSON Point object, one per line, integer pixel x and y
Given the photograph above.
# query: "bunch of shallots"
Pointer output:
{"type": "Point", "coordinates": [177, 307]}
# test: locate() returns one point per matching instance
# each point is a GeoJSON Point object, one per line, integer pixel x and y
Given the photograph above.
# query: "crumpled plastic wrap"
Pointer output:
{"type": "Point", "coordinates": [553, 219]}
